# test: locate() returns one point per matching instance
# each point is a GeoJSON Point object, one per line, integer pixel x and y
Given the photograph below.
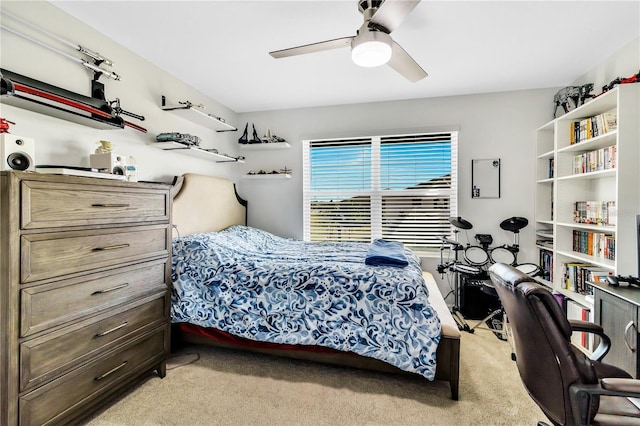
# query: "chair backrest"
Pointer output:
{"type": "Point", "coordinates": [547, 361]}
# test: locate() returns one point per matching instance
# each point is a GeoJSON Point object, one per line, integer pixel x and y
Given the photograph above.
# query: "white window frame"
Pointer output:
{"type": "Point", "coordinates": [376, 193]}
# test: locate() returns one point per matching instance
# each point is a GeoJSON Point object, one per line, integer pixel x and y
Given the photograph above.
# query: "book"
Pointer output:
{"type": "Point", "coordinates": [592, 127]}
{"type": "Point", "coordinates": [595, 212]}
{"type": "Point", "coordinates": [610, 120]}
{"type": "Point", "coordinates": [575, 311]}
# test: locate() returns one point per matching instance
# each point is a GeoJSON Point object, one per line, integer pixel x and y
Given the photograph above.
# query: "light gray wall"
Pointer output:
{"type": "Point", "coordinates": [491, 125]}
{"type": "Point", "coordinates": [64, 143]}
{"type": "Point", "coordinates": [497, 125]}
{"type": "Point", "coordinates": [623, 63]}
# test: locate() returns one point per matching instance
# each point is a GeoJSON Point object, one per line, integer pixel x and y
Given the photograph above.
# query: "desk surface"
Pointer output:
{"type": "Point", "coordinates": [629, 293]}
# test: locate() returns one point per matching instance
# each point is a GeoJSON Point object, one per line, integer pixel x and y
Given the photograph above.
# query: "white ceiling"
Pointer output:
{"type": "Point", "coordinates": [467, 47]}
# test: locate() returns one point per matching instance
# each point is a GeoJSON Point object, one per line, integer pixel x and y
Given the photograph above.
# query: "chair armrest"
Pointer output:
{"type": "Point", "coordinates": [592, 328]}
{"type": "Point", "coordinates": [621, 385]}
{"type": "Point", "coordinates": [582, 395]}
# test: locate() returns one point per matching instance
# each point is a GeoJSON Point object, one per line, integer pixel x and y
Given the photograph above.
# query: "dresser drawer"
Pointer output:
{"type": "Point", "coordinates": [60, 253]}
{"type": "Point", "coordinates": [48, 356]}
{"type": "Point", "coordinates": [50, 305]}
{"type": "Point", "coordinates": [50, 403]}
{"type": "Point", "coordinates": [51, 204]}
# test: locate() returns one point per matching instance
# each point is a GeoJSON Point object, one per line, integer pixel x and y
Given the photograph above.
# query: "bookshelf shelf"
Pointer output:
{"type": "Point", "coordinates": [556, 196]}
{"type": "Point", "coordinates": [572, 295]}
{"type": "Point", "coordinates": [590, 175]}
{"type": "Point", "coordinates": [587, 227]}
{"type": "Point", "coordinates": [546, 155]}
{"type": "Point", "coordinates": [574, 256]}
{"type": "Point", "coordinates": [601, 141]}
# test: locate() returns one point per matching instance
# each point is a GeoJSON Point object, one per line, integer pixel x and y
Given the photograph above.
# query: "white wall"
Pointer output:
{"type": "Point", "coordinates": [64, 143]}
{"type": "Point", "coordinates": [491, 125]}
{"type": "Point", "coordinates": [623, 63]}
{"type": "Point", "coordinates": [500, 125]}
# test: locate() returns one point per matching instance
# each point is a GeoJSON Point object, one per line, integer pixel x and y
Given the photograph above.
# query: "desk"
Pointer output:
{"type": "Point", "coordinates": [617, 310]}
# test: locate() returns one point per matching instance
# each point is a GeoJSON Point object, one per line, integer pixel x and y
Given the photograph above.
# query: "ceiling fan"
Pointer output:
{"type": "Point", "coordinates": [372, 45]}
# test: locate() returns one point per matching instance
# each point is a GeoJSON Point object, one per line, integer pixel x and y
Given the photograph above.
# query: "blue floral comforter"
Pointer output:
{"type": "Point", "coordinates": [256, 285]}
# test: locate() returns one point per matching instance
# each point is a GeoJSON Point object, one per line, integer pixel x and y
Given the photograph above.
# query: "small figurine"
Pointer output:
{"type": "Point", "coordinates": [619, 80]}
{"type": "Point", "coordinates": [267, 136]}
{"type": "Point", "coordinates": [245, 136]}
{"type": "Point", "coordinates": [255, 138]}
{"type": "Point", "coordinates": [104, 148]}
{"type": "Point", "coordinates": [571, 97]}
{"type": "Point", "coordinates": [4, 125]}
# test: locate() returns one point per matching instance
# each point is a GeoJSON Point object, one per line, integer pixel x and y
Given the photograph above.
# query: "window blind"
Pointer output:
{"type": "Point", "coordinates": [401, 188]}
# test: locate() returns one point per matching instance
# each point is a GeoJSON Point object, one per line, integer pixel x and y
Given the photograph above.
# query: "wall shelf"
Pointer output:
{"type": "Point", "coordinates": [43, 98]}
{"type": "Point", "coordinates": [192, 113]}
{"type": "Point", "coordinates": [268, 176]}
{"type": "Point", "coordinates": [195, 152]}
{"type": "Point", "coordinates": [264, 146]}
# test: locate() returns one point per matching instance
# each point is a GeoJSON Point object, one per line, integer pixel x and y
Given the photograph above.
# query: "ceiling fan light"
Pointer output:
{"type": "Point", "coordinates": [371, 49]}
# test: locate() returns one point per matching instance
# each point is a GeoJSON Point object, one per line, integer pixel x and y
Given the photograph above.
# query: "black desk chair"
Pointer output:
{"type": "Point", "coordinates": [570, 387]}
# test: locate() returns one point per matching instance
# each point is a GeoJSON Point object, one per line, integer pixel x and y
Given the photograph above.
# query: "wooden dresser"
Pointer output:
{"type": "Point", "coordinates": [84, 300]}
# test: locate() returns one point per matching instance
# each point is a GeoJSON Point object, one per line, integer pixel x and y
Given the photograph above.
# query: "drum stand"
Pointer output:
{"type": "Point", "coordinates": [513, 224]}
{"type": "Point", "coordinates": [455, 309]}
{"type": "Point", "coordinates": [500, 332]}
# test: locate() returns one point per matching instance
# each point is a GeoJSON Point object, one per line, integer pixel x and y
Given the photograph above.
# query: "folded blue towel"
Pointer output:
{"type": "Point", "coordinates": [386, 253]}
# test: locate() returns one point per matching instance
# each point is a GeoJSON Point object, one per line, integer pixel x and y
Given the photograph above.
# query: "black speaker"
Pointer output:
{"type": "Point", "coordinates": [474, 303]}
{"type": "Point", "coordinates": [17, 153]}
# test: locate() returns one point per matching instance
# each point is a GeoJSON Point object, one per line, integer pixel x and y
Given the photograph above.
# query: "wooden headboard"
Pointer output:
{"type": "Point", "coordinates": [206, 204]}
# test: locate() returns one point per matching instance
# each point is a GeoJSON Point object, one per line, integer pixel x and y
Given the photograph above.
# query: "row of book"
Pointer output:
{"type": "Point", "coordinates": [596, 160]}
{"type": "Point", "coordinates": [546, 264]}
{"type": "Point", "coordinates": [593, 126]}
{"type": "Point", "coordinates": [576, 275]}
{"type": "Point", "coordinates": [595, 212]}
{"type": "Point", "coordinates": [552, 164]}
{"type": "Point", "coordinates": [596, 244]}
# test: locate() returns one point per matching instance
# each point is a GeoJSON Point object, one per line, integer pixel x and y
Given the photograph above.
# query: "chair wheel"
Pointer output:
{"type": "Point", "coordinates": [513, 356]}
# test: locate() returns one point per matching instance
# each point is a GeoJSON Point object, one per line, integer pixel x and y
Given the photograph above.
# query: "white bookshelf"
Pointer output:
{"type": "Point", "coordinates": [555, 195]}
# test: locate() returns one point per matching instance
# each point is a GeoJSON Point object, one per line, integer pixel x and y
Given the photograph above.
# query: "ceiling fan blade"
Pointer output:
{"type": "Point", "coordinates": [312, 48]}
{"type": "Point", "coordinates": [405, 65]}
{"type": "Point", "coordinates": [391, 13]}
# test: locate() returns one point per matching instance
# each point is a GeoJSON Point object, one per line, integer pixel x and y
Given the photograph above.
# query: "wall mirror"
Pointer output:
{"type": "Point", "coordinates": [485, 178]}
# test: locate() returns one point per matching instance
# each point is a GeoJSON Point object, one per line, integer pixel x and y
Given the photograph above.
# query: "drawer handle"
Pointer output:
{"type": "Point", "coordinates": [113, 247]}
{"type": "Point", "coordinates": [110, 372]}
{"type": "Point", "coordinates": [107, 290]}
{"type": "Point", "coordinates": [109, 205]}
{"type": "Point", "coordinates": [626, 333]}
{"type": "Point", "coordinates": [104, 333]}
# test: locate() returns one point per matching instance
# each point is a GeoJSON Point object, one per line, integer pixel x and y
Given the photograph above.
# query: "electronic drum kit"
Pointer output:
{"type": "Point", "coordinates": [479, 257]}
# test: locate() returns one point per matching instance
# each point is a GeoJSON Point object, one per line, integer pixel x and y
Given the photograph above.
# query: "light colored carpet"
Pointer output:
{"type": "Point", "coordinates": [235, 388]}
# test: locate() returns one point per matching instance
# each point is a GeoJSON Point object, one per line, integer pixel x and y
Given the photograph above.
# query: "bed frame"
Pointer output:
{"type": "Point", "coordinates": [207, 204]}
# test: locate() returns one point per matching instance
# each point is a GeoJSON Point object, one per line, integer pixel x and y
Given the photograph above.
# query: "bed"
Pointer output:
{"type": "Point", "coordinates": [211, 232]}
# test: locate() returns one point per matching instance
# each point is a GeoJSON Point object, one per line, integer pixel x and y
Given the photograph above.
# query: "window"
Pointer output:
{"type": "Point", "coordinates": [401, 188]}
